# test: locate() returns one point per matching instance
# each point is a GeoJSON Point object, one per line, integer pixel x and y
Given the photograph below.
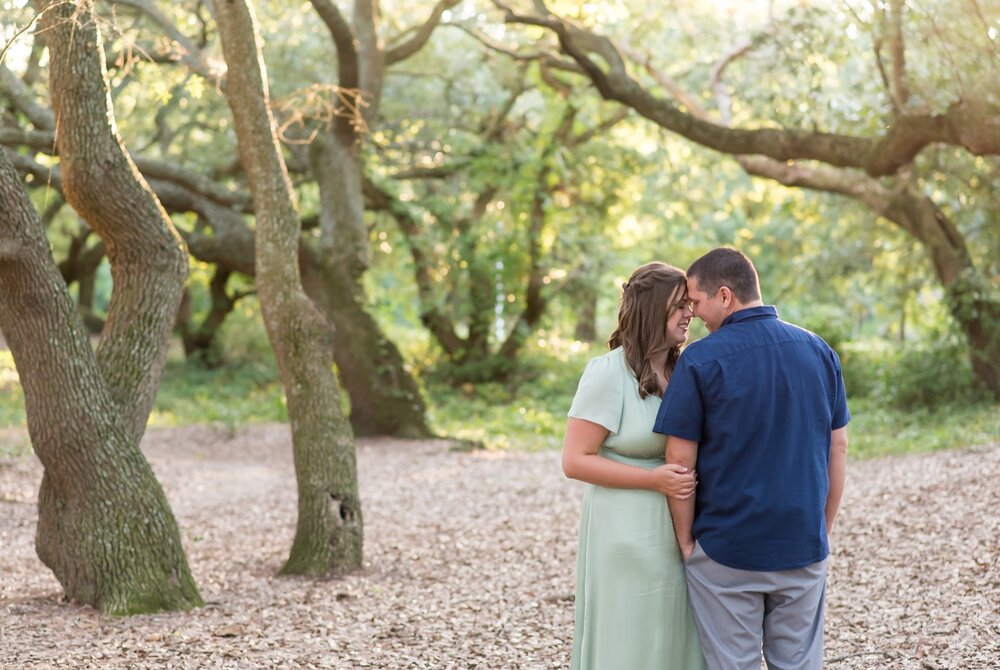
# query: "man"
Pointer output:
{"type": "Point", "coordinates": [758, 407]}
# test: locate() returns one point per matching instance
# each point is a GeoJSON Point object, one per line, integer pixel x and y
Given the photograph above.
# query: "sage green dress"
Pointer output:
{"type": "Point", "coordinates": [632, 610]}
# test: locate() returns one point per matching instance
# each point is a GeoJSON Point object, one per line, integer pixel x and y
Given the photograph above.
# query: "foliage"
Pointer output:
{"type": "Point", "coordinates": [245, 390]}
{"type": "Point", "coordinates": [878, 430]}
{"type": "Point", "coordinates": [527, 412]}
{"type": "Point", "coordinates": [902, 402]}
{"type": "Point", "coordinates": [912, 378]}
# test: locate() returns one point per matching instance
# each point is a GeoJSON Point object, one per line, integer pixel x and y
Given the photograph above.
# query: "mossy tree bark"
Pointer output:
{"type": "Point", "coordinates": [104, 526]}
{"type": "Point", "coordinates": [328, 536]}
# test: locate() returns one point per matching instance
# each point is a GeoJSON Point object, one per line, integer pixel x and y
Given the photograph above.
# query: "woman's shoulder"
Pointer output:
{"type": "Point", "coordinates": [616, 356]}
{"type": "Point", "coordinates": [599, 396]}
{"type": "Point", "coordinates": [608, 363]}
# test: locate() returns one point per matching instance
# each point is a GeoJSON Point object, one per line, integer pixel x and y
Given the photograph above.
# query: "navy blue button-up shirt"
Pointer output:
{"type": "Point", "coordinates": [760, 397]}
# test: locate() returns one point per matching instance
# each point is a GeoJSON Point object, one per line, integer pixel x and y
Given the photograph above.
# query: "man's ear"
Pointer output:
{"type": "Point", "coordinates": [726, 294]}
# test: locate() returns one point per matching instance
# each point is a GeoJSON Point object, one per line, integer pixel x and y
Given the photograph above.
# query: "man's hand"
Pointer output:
{"type": "Point", "coordinates": [687, 548]}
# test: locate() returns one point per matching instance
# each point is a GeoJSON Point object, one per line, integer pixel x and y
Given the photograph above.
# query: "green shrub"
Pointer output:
{"type": "Point", "coordinates": [862, 365]}
{"type": "Point", "coordinates": [233, 395]}
{"type": "Point", "coordinates": [927, 375]}
{"type": "Point", "coordinates": [879, 430]}
{"type": "Point", "coordinates": [526, 411]}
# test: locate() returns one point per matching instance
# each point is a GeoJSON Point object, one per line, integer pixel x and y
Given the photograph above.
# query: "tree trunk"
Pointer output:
{"type": "Point", "coordinates": [967, 289]}
{"type": "Point", "coordinates": [584, 302]}
{"type": "Point", "coordinates": [328, 536]}
{"type": "Point", "coordinates": [104, 528]}
{"type": "Point", "coordinates": [385, 399]}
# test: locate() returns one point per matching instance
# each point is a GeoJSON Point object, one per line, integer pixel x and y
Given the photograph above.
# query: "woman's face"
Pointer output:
{"type": "Point", "coordinates": [678, 317]}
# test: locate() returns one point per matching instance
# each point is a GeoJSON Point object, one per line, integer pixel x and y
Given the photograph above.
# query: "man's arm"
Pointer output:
{"type": "Point", "coordinates": [837, 473]}
{"type": "Point", "coordinates": [682, 452]}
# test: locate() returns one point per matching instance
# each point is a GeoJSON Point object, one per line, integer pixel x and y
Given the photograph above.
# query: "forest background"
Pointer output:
{"type": "Point", "coordinates": [475, 185]}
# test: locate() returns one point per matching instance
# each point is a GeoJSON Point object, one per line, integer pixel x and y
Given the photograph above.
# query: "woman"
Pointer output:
{"type": "Point", "coordinates": [631, 600]}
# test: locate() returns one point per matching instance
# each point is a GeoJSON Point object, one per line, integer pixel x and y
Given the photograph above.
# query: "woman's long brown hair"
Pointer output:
{"type": "Point", "coordinates": [647, 298]}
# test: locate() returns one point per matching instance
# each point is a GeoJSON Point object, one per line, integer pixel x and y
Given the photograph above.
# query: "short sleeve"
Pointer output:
{"type": "Point", "coordinates": [600, 397]}
{"type": "Point", "coordinates": [840, 414]}
{"type": "Point", "coordinates": [681, 410]}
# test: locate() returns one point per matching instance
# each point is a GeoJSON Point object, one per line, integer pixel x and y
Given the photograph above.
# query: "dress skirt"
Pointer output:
{"type": "Point", "coordinates": [632, 610]}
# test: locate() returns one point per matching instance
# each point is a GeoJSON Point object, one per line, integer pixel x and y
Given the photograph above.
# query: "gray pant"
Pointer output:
{"type": "Point", "coordinates": [740, 611]}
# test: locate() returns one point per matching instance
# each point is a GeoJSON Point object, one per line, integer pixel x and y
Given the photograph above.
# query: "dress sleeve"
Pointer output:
{"type": "Point", "coordinates": [600, 397]}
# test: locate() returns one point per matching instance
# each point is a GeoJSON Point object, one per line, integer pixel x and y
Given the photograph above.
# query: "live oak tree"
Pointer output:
{"type": "Point", "coordinates": [385, 399]}
{"type": "Point", "coordinates": [104, 526]}
{"type": "Point", "coordinates": [328, 536]}
{"type": "Point", "coordinates": [880, 169]}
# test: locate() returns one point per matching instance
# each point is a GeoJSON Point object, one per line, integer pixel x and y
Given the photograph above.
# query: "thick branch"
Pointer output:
{"type": "Point", "coordinates": [975, 126]}
{"type": "Point", "coordinates": [150, 168]}
{"type": "Point", "coordinates": [543, 57]}
{"type": "Point", "coordinates": [370, 54]}
{"type": "Point", "coordinates": [42, 140]}
{"type": "Point", "coordinates": [419, 39]}
{"type": "Point", "coordinates": [20, 95]}
{"type": "Point", "coordinates": [348, 76]}
{"type": "Point", "coordinates": [897, 47]}
{"type": "Point", "coordinates": [200, 184]}
{"type": "Point", "coordinates": [661, 78]}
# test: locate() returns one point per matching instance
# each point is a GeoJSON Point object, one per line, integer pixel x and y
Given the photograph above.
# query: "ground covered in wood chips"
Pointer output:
{"type": "Point", "coordinates": [469, 563]}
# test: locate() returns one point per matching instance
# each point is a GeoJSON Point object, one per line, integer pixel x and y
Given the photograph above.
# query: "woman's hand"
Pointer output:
{"type": "Point", "coordinates": [675, 481]}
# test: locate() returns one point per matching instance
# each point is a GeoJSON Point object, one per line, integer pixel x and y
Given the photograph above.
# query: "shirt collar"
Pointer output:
{"type": "Point", "coordinates": [762, 312]}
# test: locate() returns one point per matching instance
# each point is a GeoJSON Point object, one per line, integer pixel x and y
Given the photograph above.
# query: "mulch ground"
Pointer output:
{"type": "Point", "coordinates": [469, 562]}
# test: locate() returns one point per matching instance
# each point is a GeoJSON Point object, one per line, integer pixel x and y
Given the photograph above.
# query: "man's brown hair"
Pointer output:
{"type": "Point", "coordinates": [726, 267]}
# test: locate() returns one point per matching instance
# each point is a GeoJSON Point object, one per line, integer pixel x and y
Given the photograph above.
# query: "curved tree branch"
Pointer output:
{"type": "Point", "coordinates": [188, 52]}
{"type": "Point", "coordinates": [974, 125]}
{"type": "Point", "coordinates": [150, 168]}
{"type": "Point", "coordinates": [20, 95]}
{"type": "Point", "coordinates": [348, 76]}
{"type": "Point", "coordinates": [411, 46]}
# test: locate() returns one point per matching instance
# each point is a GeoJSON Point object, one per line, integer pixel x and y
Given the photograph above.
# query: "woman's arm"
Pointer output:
{"type": "Point", "coordinates": [581, 461]}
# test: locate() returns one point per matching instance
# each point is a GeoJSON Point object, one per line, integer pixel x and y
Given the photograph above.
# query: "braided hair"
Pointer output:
{"type": "Point", "coordinates": [647, 298]}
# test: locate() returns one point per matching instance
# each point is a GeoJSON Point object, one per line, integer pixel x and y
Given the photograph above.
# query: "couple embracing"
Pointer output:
{"type": "Point", "coordinates": [715, 477]}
